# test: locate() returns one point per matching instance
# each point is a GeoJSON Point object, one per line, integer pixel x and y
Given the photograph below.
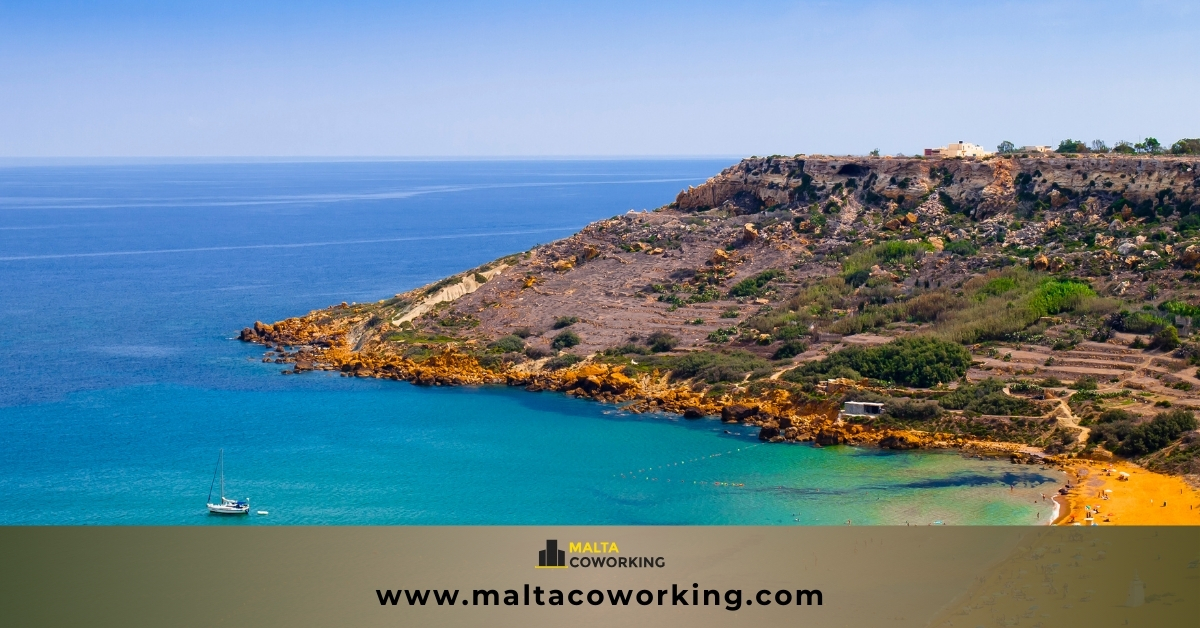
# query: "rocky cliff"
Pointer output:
{"type": "Point", "coordinates": [976, 188]}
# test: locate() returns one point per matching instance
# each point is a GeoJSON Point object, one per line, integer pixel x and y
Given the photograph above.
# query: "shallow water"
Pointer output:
{"type": "Point", "coordinates": [124, 285]}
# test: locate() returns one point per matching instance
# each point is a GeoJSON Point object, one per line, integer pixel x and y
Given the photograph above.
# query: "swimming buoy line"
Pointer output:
{"type": "Point", "coordinates": [635, 475]}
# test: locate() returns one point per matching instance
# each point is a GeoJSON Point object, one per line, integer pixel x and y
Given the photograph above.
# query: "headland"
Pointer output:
{"type": "Point", "coordinates": [1037, 307]}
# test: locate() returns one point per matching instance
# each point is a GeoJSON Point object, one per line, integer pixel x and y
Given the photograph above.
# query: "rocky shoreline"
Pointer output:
{"type": "Point", "coordinates": [779, 416]}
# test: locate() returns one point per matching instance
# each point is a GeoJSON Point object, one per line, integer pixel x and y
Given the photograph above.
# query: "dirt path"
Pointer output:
{"type": "Point", "coordinates": [1069, 420]}
{"type": "Point", "coordinates": [1065, 417]}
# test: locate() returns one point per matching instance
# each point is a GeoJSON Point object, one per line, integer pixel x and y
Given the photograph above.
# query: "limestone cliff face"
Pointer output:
{"type": "Point", "coordinates": [978, 188]}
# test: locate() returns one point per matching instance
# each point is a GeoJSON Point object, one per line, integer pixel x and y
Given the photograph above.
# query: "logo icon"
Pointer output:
{"type": "Point", "coordinates": [552, 557]}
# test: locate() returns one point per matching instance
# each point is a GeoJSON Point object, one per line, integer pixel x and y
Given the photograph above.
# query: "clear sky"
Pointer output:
{"type": "Point", "coordinates": [231, 78]}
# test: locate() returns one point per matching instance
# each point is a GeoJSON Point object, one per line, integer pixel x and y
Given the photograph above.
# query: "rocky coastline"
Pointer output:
{"type": "Point", "coordinates": [307, 345]}
{"type": "Point", "coordinates": [1033, 307]}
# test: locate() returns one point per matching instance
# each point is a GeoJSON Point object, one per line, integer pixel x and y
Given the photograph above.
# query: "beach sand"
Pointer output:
{"type": "Point", "coordinates": [1144, 499]}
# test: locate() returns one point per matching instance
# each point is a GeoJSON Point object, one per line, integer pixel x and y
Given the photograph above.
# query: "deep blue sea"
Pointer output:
{"type": "Point", "coordinates": [122, 287]}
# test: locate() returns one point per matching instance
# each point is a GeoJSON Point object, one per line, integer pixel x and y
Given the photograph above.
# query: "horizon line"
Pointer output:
{"type": "Point", "coordinates": [80, 159]}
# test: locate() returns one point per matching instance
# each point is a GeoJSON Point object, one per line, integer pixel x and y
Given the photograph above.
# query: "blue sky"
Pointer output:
{"type": "Point", "coordinates": [574, 79]}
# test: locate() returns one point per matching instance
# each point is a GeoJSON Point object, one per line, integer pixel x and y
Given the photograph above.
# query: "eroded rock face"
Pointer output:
{"type": "Point", "coordinates": [737, 413]}
{"type": "Point", "coordinates": [1190, 257]}
{"type": "Point", "coordinates": [979, 187]}
{"type": "Point", "coordinates": [749, 233]}
{"type": "Point", "coordinates": [900, 440]}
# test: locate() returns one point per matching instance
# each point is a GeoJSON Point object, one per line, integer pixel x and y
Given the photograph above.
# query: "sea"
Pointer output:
{"type": "Point", "coordinates": [123, 286]}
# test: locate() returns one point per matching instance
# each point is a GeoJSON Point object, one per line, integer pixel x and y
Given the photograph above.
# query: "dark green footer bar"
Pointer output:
{"type": "Point", "coordinates": [614, 576]}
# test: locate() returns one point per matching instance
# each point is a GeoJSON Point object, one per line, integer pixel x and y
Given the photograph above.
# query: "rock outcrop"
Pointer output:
{"type": "Point", "coordinates": [980, 188]}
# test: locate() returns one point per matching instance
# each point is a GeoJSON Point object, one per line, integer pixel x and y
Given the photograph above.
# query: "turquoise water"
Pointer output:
{"type": "Point", "coordinates": [123, 286]}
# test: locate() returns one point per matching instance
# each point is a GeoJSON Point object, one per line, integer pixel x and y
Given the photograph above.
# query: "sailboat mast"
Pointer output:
{"type": "Point", "coordinates": [214, 480]}
{"type": "Point", "coordinates": [221, 457]}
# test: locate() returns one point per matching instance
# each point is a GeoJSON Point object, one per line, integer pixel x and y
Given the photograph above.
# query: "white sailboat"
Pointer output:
{"type": "Point", "coordinates": [226, 506]}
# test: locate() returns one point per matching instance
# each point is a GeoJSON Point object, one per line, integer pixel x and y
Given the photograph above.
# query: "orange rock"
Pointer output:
{"type": "Point", "coordinates": [1190, 258]}
{"type": "Point", "coordinates": [749, 233]}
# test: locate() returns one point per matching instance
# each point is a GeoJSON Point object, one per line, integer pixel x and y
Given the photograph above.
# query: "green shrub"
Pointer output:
{"type": "Point", "coordinates": [565, 321]}
{"type": "Point", "coordinates": [967, 393]}
{"type": "Point", "coordinates": [731, 312]}
{"type": "Point", "coordinates": [1166, 339]}
{"type": "Point", "coordinates": [987, 397]}
{"type": "Point", "coordinates": [565, 340]}
{"type": "Point", "coordinates": [722, 335]}
{"type": "Point", "coordinates": [626, 349]}
{"type": "Point", "coordinates": [1002, 404]}
{"type": "Point", "coordinates": [1002, 304]}
{"type": "Point", "coordinates": [1186, 146]}
{"type": "Point", "coordinates": [858, 277]}
{"type": "Point", "coordinates": [965, 248]}
{"type": "Point", "coordinates": [1072, 146]}
{"type": "Point", "coordinates": [1114, 415]}
{"type": "Point", "coordinates": [711, 366]}
{"type": "Point", "coordinates": [1087, 382]}
{"type": "Point", "coordinates": [911, 410]}
{"type": "Point", "coordinates": [753, 286]}
{"type": "Point", "coordinates": [1129, 439]}
{"type": "Point", "coordinates": [891, 251]}
{"type": "Point", "coordinates": [790, 332]}
{"type": "Point", "coordinates": [1022, 386]}
{"type": "Point", "coordinates": [508, 344]}
{"type": "Point", "coordinates": [661, 341]}
{"type": "Point", "coordinates": [1179, 308]}
{"type": "Point", "coordinates": [537, 353]}
{"type": "Point", "coordinates": [920, 362]}
{"type": "Point", "coordinates": [790, 349]}
{"type": "Point", "coordinates": [1059, 295]}
{"type": "Point", "coordinates": [998, 286]}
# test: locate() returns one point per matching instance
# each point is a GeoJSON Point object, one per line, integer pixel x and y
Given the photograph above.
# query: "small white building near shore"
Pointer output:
{"type": "Point", "coordinates": [957, 149]}
{"type": "Point", "coordinates": [862, 408]}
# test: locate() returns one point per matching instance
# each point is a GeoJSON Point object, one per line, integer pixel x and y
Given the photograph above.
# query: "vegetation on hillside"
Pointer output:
{"type": "Point", "coordinates": [1120, 434]}
{"type": "Point", "coordinates": [916, 361]}
{"type": "Point", "coordinates": [987, 397]}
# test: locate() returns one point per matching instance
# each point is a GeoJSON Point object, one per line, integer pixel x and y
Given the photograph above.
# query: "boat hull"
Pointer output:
{"type": "Point", "coordinates": [219, 509]}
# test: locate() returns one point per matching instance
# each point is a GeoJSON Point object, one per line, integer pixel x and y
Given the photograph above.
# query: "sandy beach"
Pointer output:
{"type": "Point", "coordinates": [1098, 495]}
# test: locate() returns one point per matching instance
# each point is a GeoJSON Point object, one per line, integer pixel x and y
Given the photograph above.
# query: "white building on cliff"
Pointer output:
{"type": "Point", "coordinates": [957, 149]}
